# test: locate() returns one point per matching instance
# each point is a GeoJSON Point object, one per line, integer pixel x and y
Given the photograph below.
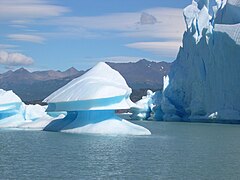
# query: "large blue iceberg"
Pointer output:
{"type": "Point", "coordinates": [204, 80]}
{"type": "Point", "coordinates": [91, 101]}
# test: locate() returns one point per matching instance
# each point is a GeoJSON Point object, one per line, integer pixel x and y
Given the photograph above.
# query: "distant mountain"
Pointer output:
{"type": "Point", "coordinates": [35, 86]}
{"type": "Point", "coordinates": [32, 86]}
{"type": "Point", "coordinates": [143, 74]}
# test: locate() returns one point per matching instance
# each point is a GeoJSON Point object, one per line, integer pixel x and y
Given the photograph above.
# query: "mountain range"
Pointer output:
{"type": "Point", "coordinates": [35, 86]}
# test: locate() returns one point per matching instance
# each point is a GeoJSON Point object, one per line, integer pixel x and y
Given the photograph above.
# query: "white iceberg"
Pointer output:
{"type": "Point", "coordinates": [142, 108]}
{"type": "Point", "coordinates": [149, 106]}
{"type": "Point", "coordinates": [34, 112]}
{"type": "Point", "coordinates": [14, 113]}
{"type": "Point", "coordinates": [40, 123]}
{"type": "Point", "coordinates": [91, 101]}
{"type": "Point", "coordinates": [11, 109]}
{"type": "Point", "coordinates": [36, 117]}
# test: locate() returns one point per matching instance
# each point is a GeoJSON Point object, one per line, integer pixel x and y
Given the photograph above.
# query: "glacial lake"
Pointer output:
{"type": "Point", "coordinates": [173, 151]}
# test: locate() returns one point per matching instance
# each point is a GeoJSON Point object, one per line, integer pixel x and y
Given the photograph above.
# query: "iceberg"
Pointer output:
{"type": "Point", "coordinates": [36, 117]}
{"type": "Point", "coordinates": [11, 109]}
{"type": "Point", "coordinates": [149, 107]}
{"type": "Point", "coordinates": [204, 79]}
{"type": "Point", "coordinates": [143, 108]}
{"type": "Point", "coordinates": [15, 114]}
{"type": "Point", "coordinates": [34, 112]}
{"type": "Point", "coordinates": [90, 101]}
{"type": "Point", "coordinates": [40, 123]}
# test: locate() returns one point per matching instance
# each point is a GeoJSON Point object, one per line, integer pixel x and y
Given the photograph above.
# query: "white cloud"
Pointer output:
{"type": "Point", "coordinates": [122, 59]}
{"type": "Point", "coordinates": [164, 25]}
{"type": "Point", "coordinates": [14, 59]}
{"type": "Point", "coordinates": [26, 37]}
{"type": "Point", "coordinates": [117, 59]}
{"type": "Point", "coordinates": [88, 62]}
{"type": "Point", "coordinates": [7, 46]}
{"type": "Point", "coordinates": [71, 32]}
{"type": "Point", "coordinates": [165, 49]}
{"type": "Point", "coordinates": [169, 25]}
{"type": "Point", "coordinates": [161, 23]}
{"type": "Point", "coordinates": [29, 9]}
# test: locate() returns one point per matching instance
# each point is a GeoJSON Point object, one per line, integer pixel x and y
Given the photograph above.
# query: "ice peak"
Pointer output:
{"type": "Point", "coordinates": [197, 18]}
{"type": "Point", "coordinates": [101, 65]}
{"type": "Point", "coordinates": [7, 97]}
{"type": "Point", "coordinates": [165, 82]}
{"type": "Point", "coordinates": [220, 3]}
{"type": "Point", "coordinates": [202, 3]}
{"type": "Point", "coordinates": [103, 71]}
{"type": "Point", "coordinates": [100, 82]}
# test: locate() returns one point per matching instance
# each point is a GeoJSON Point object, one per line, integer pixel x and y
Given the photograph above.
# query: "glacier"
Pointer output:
{"type": "Point", "coordinates": [203, 83]}
{"type": "Point", "coordinates": [91, 101]}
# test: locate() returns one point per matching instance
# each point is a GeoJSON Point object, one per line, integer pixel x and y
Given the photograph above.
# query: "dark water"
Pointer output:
{"type": "Point", "coordinates": [174, 151]}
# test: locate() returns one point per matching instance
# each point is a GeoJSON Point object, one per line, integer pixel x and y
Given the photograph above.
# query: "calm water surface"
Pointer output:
{"type": "Point", "coordinates": [174, 151]}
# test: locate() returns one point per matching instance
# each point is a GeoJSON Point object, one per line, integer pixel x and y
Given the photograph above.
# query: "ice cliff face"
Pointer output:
{"type": "Point", "coordinates": [227, 12]}
{"type": "Point", "coordinates": [204, 80]}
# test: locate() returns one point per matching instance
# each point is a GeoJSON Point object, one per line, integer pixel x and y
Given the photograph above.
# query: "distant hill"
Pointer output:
{"type": "Point", "coordinates": [35, 86]}
{"type": "Point", "coordinates": [143, 74]}
{"type": "Point", "coordinates": [32, 86]}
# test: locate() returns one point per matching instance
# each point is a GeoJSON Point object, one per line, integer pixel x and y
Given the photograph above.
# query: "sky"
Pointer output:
{"type": "Point", "coordinates": [59, 34]}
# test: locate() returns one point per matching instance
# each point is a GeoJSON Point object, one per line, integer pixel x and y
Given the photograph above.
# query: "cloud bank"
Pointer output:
{"type": "Point", "coordinates": [26, 37]}
{"type": "Point", "coordinates": [165, 49]}
{"type": "Point", "coordinates": [29, 9]}
{"type": "Point", "coordinates": [151, 23]}
{"type": "Point", "coordinates": [156, 30]}
{"type": "Point", "coordinates": [14, 59]}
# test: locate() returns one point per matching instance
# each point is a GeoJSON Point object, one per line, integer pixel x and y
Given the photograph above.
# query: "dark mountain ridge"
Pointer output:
{"type": "Point", "coordinates": [35, 86]}
{"type": "Point", "coordinates": [143, 74]}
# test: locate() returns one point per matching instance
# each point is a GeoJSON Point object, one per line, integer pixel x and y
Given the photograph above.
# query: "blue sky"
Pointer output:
{"type": "Point", "coordinates": [51, 34]}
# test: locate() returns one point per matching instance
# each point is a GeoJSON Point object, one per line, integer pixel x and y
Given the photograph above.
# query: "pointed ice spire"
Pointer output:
{"type": "Point", "coordinates": [220, 3]}
{"type": "Point", "coordinates": [197, 18]}
{"type": "Point", "coordinates": [165, 82]}
{"type": "Point", "coordinates": [202, 3]}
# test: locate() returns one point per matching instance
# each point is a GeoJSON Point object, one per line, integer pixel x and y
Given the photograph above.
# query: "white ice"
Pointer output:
{"type": "Point", "coordinates": [95, 122]}
{"type": "Point", "coordinates": [142, 109]}
{"type": "Point", "coordinates": [99, 82]}
{"type": "Point", "coordinates": [14, 113]}
{"type": "Point", "coordinates": [91, 101]}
